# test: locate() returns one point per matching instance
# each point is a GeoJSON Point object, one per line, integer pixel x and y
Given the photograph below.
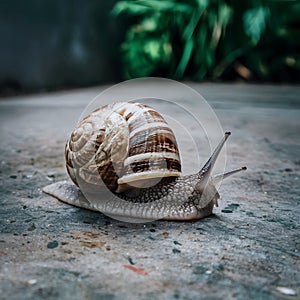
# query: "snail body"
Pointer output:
{"type": "Point", "coordinates": [129, 150]}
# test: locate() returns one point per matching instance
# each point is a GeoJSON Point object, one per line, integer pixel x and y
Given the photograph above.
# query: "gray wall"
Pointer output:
{"type": "Point", "coordinates": [50, 44]}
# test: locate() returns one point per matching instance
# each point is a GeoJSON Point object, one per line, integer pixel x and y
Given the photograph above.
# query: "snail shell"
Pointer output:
{"type": "Point", "coordinates": [122, 145]}
{"type": "Point", "coordinates": [130, 149]}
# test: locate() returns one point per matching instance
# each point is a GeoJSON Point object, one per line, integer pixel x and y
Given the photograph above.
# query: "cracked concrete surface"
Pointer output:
{"type": "Point", "coordinates": [249, 248]}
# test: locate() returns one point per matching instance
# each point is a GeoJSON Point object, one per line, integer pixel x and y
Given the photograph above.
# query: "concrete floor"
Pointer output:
{"type": "Point", "coordinates": [249, 248]}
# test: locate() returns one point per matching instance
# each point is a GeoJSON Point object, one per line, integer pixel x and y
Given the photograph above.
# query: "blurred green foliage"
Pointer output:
{"type": "Point", "coordinates": [212, 39]}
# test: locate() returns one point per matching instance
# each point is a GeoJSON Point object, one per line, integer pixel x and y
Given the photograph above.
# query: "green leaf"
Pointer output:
{"type": "Point", "coordinates": [189, 46]}
{"type": "Point", "coordinates": [203, 3]}
{"type": "Point", "coordinates": [141, 7]}
{"type": "Point", "coordinates": [165, 5]}
{"type": "Point", "coordinates": [255, 22]}
{"type": "Point", "coordinates": [190, 28]}
{"type": "Point", "coordinates": [203, 39]}
{"type": "Point", "coordinates": [129, 8]}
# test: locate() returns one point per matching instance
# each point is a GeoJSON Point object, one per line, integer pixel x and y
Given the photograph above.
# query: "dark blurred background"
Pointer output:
{"type": "Point", "coordinates": [54, 44]}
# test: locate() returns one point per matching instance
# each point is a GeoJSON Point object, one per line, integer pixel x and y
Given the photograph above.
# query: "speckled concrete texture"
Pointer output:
{"type": "Point", "coordinates": [249, 248]}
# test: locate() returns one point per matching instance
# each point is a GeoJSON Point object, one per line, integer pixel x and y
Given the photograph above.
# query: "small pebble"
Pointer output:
{"type": "Point", "coordinates": [165, 234]}
{"type": "Point", "coordinates": [286, 291]}
{"type": "Point", "coordinates": [31, 227]}
{"type": "Point", "coordinates": [218, 267]}
{"type": "Point", "coordinates": [32, 281]}
{"type": "Point", "coordinates": [52, 245]}
{"type": "Point", "coordinates": [130, 260]}
{"type": "Point", "coordinates": [226, 211]}
{"type": "Point", "coordinates": [177, 243]}
{"type": "Point", "coordinates": [176, 251]}
{"type": "Point", "coordinates": [230, 208]}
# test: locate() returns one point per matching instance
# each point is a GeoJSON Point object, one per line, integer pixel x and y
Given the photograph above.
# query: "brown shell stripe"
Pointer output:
{"type": "Point", "coordinates": [152, 148]}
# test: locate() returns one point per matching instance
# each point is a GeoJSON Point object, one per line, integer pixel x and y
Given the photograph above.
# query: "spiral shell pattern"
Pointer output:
{"type": "Point", "coordinates": [120, 145]}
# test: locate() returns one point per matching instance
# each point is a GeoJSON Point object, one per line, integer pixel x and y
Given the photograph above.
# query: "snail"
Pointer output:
{"type": "Point", "coordinates": [128, 149]}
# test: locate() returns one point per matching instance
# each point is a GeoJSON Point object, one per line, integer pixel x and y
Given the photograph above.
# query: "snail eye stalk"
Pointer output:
{"type": "Point", "coordinates": [205, 172]}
